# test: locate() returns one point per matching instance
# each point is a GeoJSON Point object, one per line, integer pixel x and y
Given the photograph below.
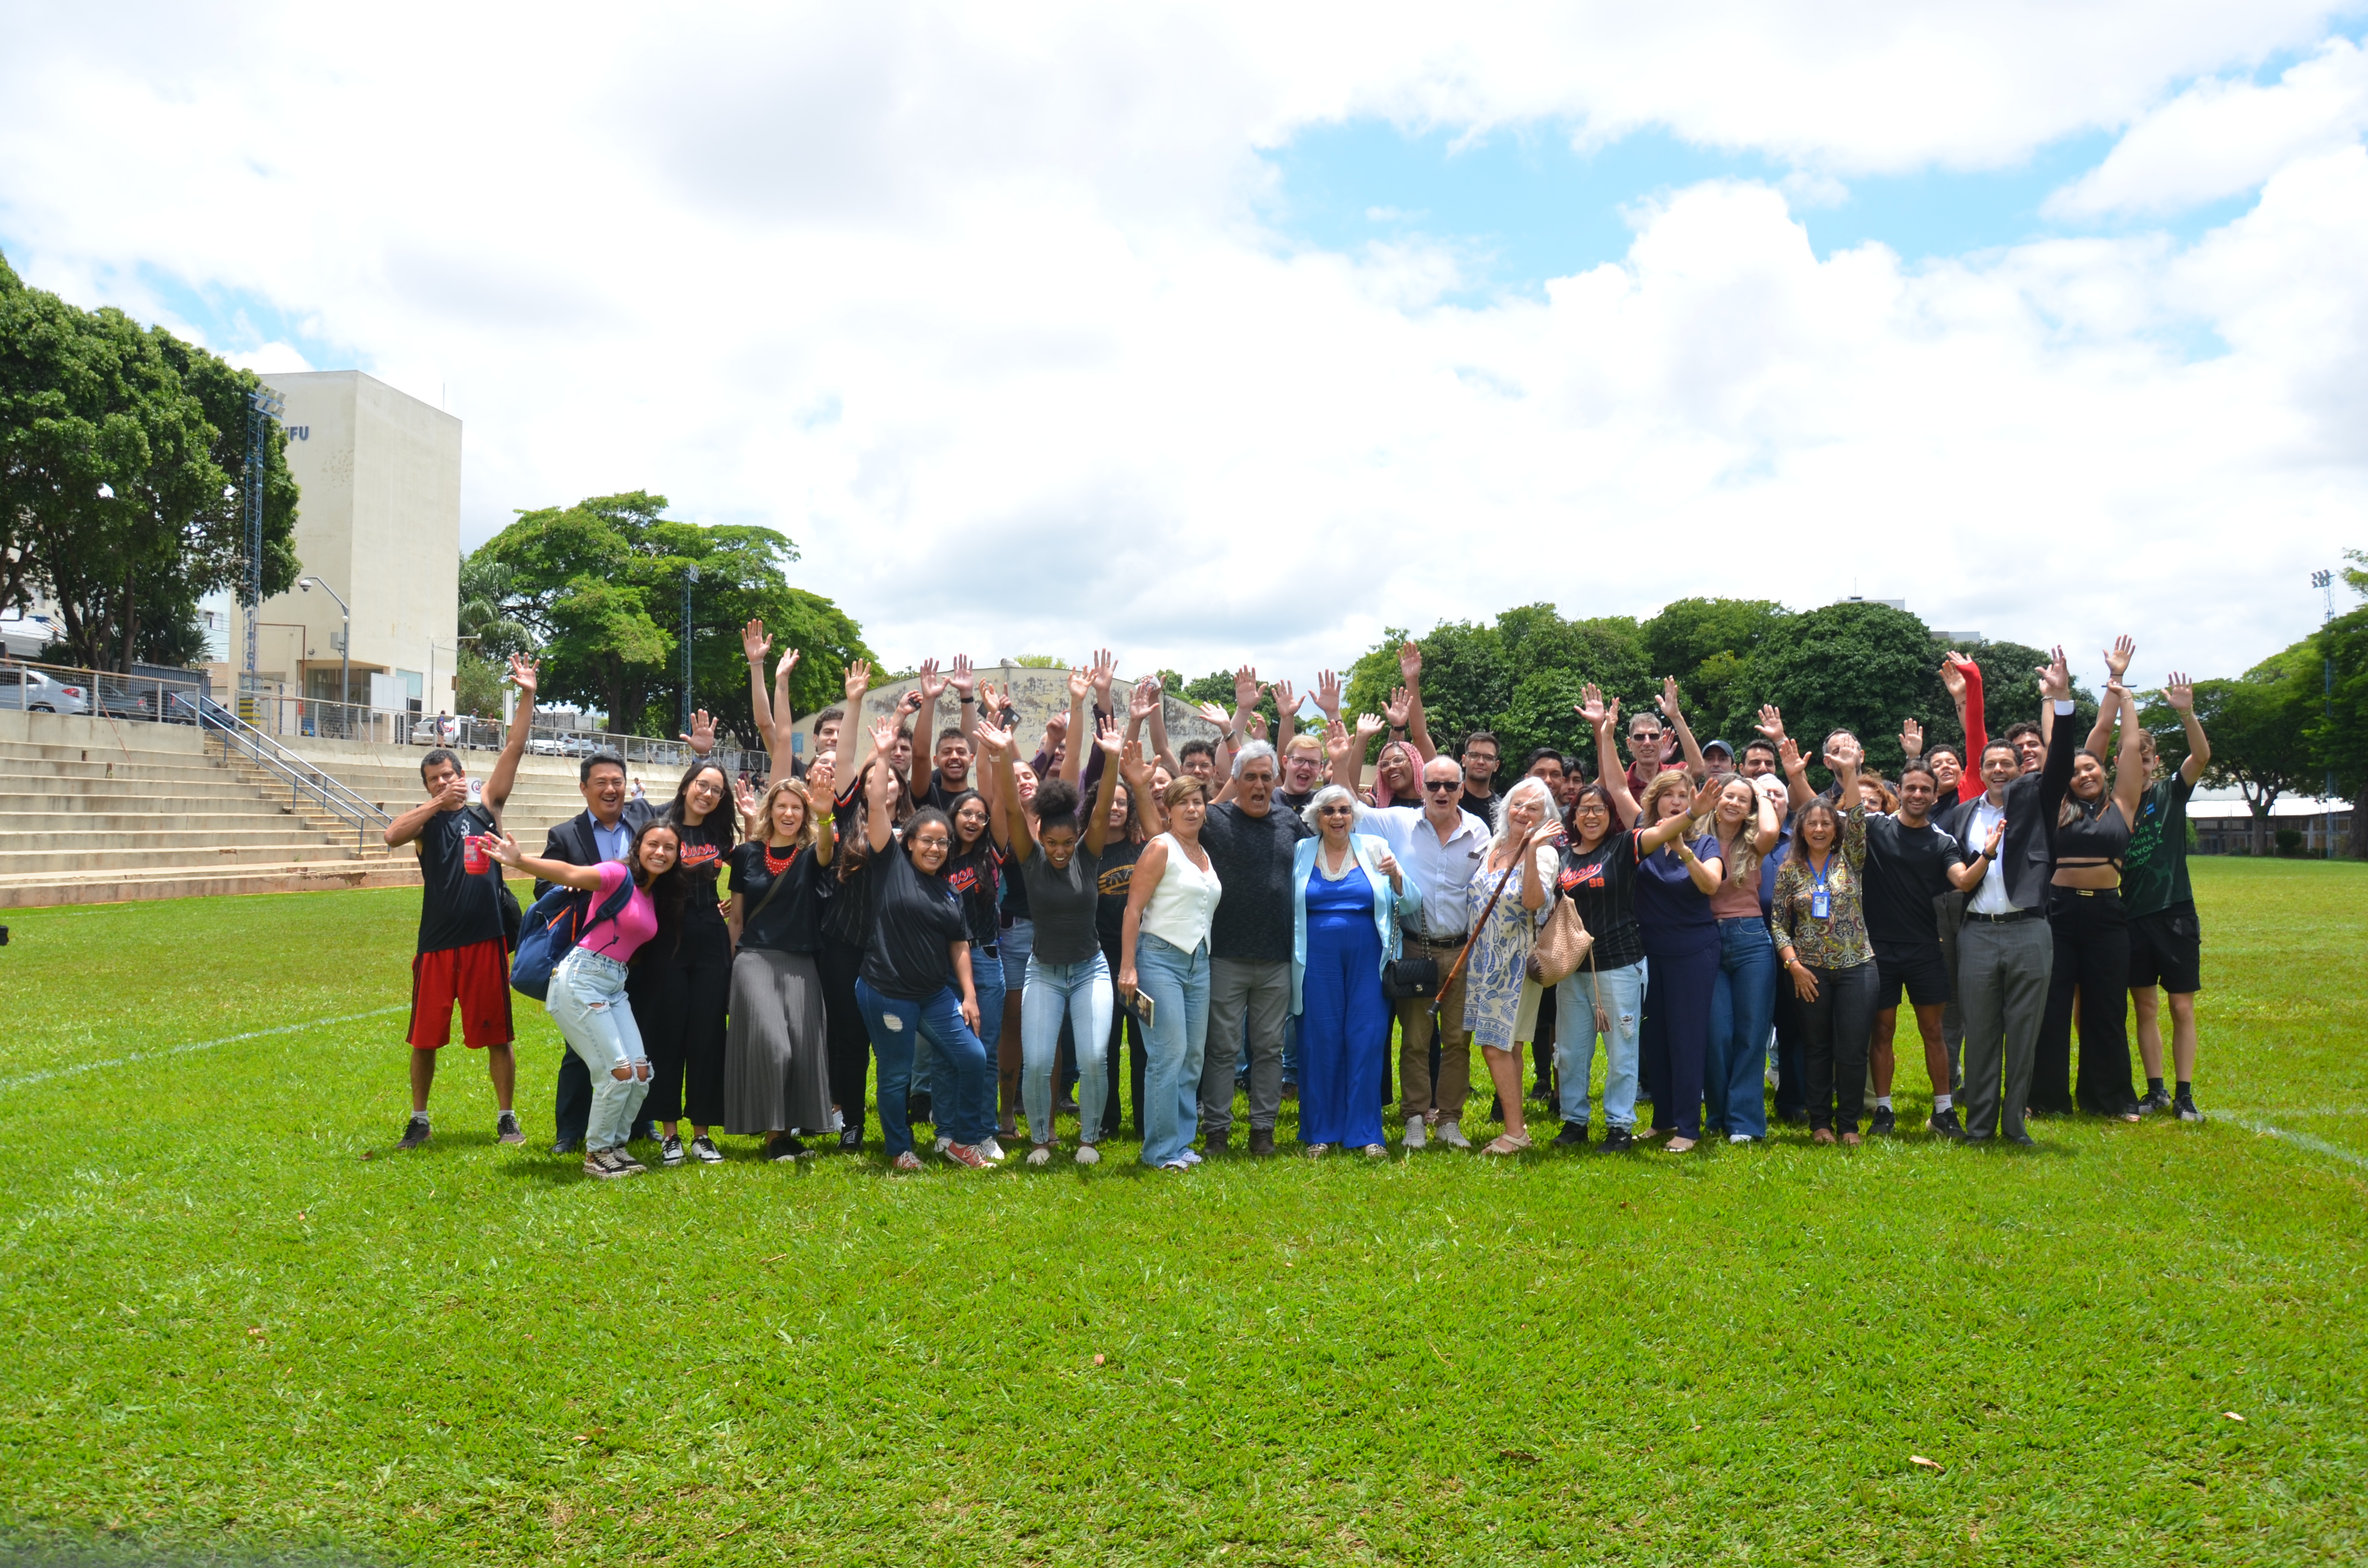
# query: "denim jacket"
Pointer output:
{"type": "Point", "coordinates": [1389, 908]}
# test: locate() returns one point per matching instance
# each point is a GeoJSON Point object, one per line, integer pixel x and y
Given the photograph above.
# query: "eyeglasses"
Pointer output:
{"type": "Point", "coordinates": [1435, 785]}
{"type": "Point", "coordinates": [1338, 812]}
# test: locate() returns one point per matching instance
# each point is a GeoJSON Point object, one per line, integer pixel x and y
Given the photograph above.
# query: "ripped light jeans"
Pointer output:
{"type": "Point", "coordinates": [1622, 991]}
{"type": "Point", "coordinates": [587, 1001]}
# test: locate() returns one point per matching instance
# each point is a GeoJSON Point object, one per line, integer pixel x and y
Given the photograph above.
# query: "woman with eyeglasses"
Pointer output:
{"type": "Point", "coordinates": [1507, 898]}
{"type": "Point", "coordinates": [682, 994]}
{"type": "Point", "coordinates": [916, 979]}
{"type": "Point", "coordinates": [1348, 892]}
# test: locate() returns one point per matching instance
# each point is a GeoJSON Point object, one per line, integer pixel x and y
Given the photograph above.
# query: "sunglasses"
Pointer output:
{"type": "Point", "coordinates": [1435, 785]}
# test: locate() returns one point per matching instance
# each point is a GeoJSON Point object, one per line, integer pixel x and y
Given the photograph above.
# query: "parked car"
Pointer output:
{"type": "Point", "coordinates": [27, 636]}
{"type": "Point", "coordinates": [37, 693]}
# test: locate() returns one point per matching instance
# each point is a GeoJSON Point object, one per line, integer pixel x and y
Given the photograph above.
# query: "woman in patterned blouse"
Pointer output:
{"type": "Point", "coordinates": [1818, 921]}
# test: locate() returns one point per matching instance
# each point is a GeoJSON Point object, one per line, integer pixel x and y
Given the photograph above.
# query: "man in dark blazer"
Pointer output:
{"type": "Point", "coordinates": [2005, 951]}
{"type": "Point", "coordinates": [603, 831]}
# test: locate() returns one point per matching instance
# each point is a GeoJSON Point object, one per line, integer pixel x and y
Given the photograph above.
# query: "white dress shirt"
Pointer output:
{"type": "Point", "coordinates": [1441, 871]}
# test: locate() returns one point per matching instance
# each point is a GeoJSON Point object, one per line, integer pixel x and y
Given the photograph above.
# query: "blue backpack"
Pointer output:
{"type": "Point", "coordinates": [551, 930]}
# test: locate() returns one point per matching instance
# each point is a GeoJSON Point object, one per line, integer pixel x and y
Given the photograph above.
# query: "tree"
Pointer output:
{"type": "Point", "coordinates": [2260, 727]}
{"type": "Point", "coordinates": [1709, 646]}
{"type": "Point", "coordinates": [598, 587]}
{"type": "Point", "coordinates": [1517, 678]}
{"type": "Point", "coordinates": [123, 458]}
{"type": "Point", "coordinates": [1857, 667]}
{"type": "Point", "coordinates": [2338, 733]}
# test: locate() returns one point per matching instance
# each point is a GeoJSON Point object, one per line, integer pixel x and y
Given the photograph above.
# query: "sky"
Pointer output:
{"type": "Point", "coordinates": [1215, 333]}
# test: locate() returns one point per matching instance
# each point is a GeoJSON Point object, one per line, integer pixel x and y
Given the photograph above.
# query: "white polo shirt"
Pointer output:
{"type": "Point", "coordinates": [1442, 870]}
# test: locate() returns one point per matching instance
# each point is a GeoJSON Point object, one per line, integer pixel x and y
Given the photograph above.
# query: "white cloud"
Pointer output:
{"type": "Point", "coordinates": [2223, 138]}
{"type": "Point", "coordinates": [976, 306]}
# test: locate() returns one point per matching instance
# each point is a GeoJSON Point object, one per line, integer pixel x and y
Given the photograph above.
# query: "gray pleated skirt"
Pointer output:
{"type": "Point", "coordinates": [775, 1059]}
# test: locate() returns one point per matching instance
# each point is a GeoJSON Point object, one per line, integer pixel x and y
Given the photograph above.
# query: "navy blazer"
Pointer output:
{"type": "Point", "coordinates": [572, 842]}
{"type": "Point", "coordinates": [2027, 858]}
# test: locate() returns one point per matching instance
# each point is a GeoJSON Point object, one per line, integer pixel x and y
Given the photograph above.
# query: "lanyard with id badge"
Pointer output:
{"type": "Point", "coordinates": [1821, 903]}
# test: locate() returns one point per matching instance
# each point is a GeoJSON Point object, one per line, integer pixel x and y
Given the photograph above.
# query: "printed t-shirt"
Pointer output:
{"type": "Point", "coordinates": [457, 909]}
{"type": "Point", "coordinates": [2153, 872]}
{"type": "Point", "coordinates": [1602, 884]}
{"type": "Point", "coordinates": [1111, 884]}
{"type": "Point", "coordinates": [702, 870]}
{"type": "Point", "coordinates": [976, 878]}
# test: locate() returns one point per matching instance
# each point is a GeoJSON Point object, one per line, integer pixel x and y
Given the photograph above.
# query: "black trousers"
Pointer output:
{"type": "Point", "coordinates": [1123, 1027]}
{"type": "Point", "coordinates": [1836, 1031]}
{"type": "Point", "coordinates": [2092, 955]}
{"type": "Point", "coordinates": [850, 1041]}
{"type": "Point", "coordinates": [1792, 1064]}
{"type": "Point", "coordinates": [1542, 1048]}
{"type": "Point", "coordinates": [679, 1002]}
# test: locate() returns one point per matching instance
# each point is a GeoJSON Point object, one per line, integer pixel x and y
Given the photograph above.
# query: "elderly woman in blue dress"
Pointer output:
{"type": "Point", "coordinates": [1527, 823]}
{"type": "Point", "coordinates": [1347, 896]}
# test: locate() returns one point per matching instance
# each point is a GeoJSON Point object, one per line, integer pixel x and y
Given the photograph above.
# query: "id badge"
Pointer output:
{"type": "Point", "coordinates": [1821, 904]}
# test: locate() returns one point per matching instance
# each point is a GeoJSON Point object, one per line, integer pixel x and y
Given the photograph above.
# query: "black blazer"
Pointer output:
{"type": "Point", "coordinates": [572, 842]}
{"type": "Point", "coordinates": [2027, 858]}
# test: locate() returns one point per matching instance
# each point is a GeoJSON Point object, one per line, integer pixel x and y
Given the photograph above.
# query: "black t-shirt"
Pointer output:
{"type": "Point", "coordinates": [1111, 884]}
{"type": "Point", "coordinates": [978, 878]}
{"type": "Point", "coordinates": [1066, 904]}
{"type": "Point", "coordinates": [792, 922]}
{"type": "Point", "coordinates": [1015, 898]}
{"type": "Point", "coordinates": [702, 870]}
{"type": "Point", "coordinates": [1252, 856]}
{"type": "Point", "coordinates": [1907, 867]}
{"type": "Point", "coordinates": [1284, 800]}
{"type": "Point", "coordinates": [915, 922]}
{"type": "Point", "coordinates": [1485, 808]}
{"type": "Point", "coordinates": [457, 909]}
{"type": "Point", "coordinates": [1602, 884]}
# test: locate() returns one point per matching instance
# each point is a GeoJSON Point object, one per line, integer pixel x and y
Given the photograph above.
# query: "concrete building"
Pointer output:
{"type": "Point", "coordinates": [379, 521]}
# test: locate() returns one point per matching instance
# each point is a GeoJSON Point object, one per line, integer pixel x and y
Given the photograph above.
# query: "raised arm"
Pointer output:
{"type": "Point", "coordinates": [1673, 713]}
{"type": "Point", "coordinates": [2056, 773]}
{"type": "Point", "coordinates": [1963, 679]}
{"type": "Point", "coordinates": [1117, 754]}
{"type": "Point", "coordinates": [755, 644]}
{"type": "Point", "coordinates": [1604, 720]}
{"type": "Point", "coordinates": [924, 723]}
{"type": "Point", "coordinates": [2117, 670]}
{"type": "Point", "coordinates": [1796, 772]}
{"type": "Point", "coordinates": [1073, 756]}
{"type": "Point", "coordinates": [778, 732]}
{"type": "Point", "coordinates": [880, 789]}
{"type": "Point", "coordinates": [998, 757]}
{"type": "Point", "coordinates": [2181, 694]}
{"type": "Point", "coordinates": [1410, 672]}
{"type": "Point", "coordinates": [858, 686]}
{"type": "Point", "coordinates": [505, 775]}
{"type": "Point", "coordinates": [1286, 715]}
{"type": "Point", "coordinates": [1764, 840]}
{"type": "Point", "coordinates": [2129, 762]}
{"type": "Point", "coordinates": [583, 879]}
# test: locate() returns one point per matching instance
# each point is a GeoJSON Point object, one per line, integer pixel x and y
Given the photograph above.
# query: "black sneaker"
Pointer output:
{"type": "Point", "coordinates": [1618, 1140]}
{"type": "Point", "coordinates": [568, 1146]}
{"type": "Point", "coordinates": [703, 1150]}
{"type": "Point", "coordinates": [1261, 1141]}
{"type": "Point", "coordinates": [850, 1141]}
{"type": "Point", "coordinates": [507, 1130]}
{"type": "Point", "coordinates": [670, 1151]}
{"type": "Point", "coordinates": [2156, 1099]}
{"type": "Point", "coordinates": [2184, 1107]}
{"type": "Point", "coordinates": [1945, 1124]}
{"type": "Point", "coordinates": [785, 1147]}
{"type": "Point", "coordinates": [918, 1109]}
{"type": "Point", "coordinates": [1882, 1124]}
{"type": "Point", "coordinates": [415, 1133]}
{"type": "Point", "coordinates": [2021, 1139]}
{"type": "Point", "coordinates": [1572, 1136]}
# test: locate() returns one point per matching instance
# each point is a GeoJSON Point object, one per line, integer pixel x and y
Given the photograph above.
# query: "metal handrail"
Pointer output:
{"type": "Point", "coordinates": [294, 770]}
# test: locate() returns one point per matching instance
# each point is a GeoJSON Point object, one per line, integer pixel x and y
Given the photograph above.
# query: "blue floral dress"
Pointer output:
{"type": "Point", "coordinates": [1500, 951]}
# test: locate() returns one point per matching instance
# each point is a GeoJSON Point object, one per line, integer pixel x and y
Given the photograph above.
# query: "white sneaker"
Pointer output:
{"type": "Point", "coordinates": [1317, 1151]}
{"type": "Point", "coordinates": [1088, 1155]}
{"type": "Point", "coordinates": [1739, 1138]}
{"type": "Point", "coordinates": [993, 1151]}
{"type": "Point", "coordinates": [942, 1144]}
{"type": "Point", "coordinates": [1041, 1155]}
{"type": "Point", "coordinates": [703, 1150]}
{"type": "Point", "coordinates": [1451, 1134]}
{"type": "Point", "coordinates": [1190, 1157]}
{"type": "Point", "coordinates": [1417, 1132]}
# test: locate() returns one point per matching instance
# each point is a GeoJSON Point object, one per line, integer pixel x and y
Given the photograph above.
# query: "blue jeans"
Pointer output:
{"type": "Point", "coordinates": [965, 1111]}
{"type": "Point", "coordinates": [587, 1001]}
{"type": "Point", "coordinates": [1080, 992]}
{"type": "Point", "coordinates": [987, 979]}
{"type": "Point", "coordinates": [1623, 993]}
{"type": "Point", "coordinates": [1178, 984]}
{"type": "Point", "coordinates": [1742, 1010]}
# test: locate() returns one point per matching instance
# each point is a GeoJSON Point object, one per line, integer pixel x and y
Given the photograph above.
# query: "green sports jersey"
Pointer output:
{"type": "Point", "coordinates": [2153, 873]}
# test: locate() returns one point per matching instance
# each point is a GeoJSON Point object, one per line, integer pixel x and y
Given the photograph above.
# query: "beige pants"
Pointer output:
{"type": "Point", "coordinates": [1416, 1093]}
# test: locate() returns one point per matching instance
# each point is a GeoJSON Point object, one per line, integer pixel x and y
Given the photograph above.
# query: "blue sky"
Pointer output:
{"type": "Point", "coordinates": [1522, 205]}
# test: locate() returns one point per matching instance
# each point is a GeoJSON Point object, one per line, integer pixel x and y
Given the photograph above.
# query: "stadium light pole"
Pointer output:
{"type": "Point", "coordinates": [345, 638]}
{"type": "Point", "coordinates": [2324, 583]}
{"type": "Point", "coordinates": [264, 409]}
{"type": "Point", "coordinates": [690, 581]}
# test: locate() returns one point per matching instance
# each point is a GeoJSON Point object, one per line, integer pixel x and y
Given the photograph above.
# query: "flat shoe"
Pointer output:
{"type": "Point", "coordinates": [1507, 1143]}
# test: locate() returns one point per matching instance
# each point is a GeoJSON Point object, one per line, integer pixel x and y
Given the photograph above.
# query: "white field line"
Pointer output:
{"type": "Point", "coordinates": [29, 1079]}
{"type": "Point", "coordinates": [2304, 1141]}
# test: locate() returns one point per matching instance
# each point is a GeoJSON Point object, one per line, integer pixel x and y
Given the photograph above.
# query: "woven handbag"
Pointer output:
{"type": "Point", "coordinates": [1562, 946]}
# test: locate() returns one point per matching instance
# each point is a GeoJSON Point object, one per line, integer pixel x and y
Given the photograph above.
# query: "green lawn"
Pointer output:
{"type": "Point", "coordinates": [242, 1329]}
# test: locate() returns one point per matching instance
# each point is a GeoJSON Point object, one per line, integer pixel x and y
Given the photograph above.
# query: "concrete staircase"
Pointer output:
{"type": "Point", "coordinates": [99, 810]}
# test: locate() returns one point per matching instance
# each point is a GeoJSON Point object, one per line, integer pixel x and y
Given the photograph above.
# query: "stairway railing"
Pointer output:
{"type": "Point", "coordinates": [303, 779]}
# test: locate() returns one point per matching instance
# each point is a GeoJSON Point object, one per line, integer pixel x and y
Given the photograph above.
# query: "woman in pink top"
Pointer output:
{"type": "Point", "coordinates": [1743, 999]}
{"type": "Point", "coordinates": [587, 987]}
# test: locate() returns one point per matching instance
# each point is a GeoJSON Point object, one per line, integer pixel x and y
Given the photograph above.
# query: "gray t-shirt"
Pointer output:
{"type": "Point", "coordinates": [1063, 903]}
{"type": "Point", "coordinates": [1252, 856]}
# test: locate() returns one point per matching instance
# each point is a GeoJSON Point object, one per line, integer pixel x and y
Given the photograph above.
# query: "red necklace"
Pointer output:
{"type": "Point", "coordinates": [775, 867]}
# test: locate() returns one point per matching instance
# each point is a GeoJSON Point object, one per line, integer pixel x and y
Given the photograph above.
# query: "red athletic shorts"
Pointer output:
{"type": "Point", "coordinates": [478, 978]}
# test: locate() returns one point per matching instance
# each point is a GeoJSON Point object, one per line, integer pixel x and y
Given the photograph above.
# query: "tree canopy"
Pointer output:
{"type": "Point", "coordinates": [123, 476]}
{"type": "Point", "coordinates": [597, 589]}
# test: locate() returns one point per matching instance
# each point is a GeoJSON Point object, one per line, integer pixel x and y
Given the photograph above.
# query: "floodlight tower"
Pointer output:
{"type": "Point", "coordinates": [690, 581]}
{"type": "Point", "coordinates": [264, 409]}
{"type": "Point", "coordinates": [2324, 583]}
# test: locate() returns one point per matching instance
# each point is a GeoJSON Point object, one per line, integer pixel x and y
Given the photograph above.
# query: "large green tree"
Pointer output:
{"type": "Point", "coordinates": [123, 478]}
{"type": "Point", "coordinates": [2338, 733]}
{"type": "Point", "coordinates": [598, 587]}
{"type": "Point", "coordinates": [2259, 725]}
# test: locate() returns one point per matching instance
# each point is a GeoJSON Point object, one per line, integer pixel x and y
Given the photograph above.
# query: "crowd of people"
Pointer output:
{"type": "Point", "coordinates": [984, 943]}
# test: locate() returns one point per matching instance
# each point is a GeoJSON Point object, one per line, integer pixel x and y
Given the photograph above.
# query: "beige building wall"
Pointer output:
{"type": "Point", "coordinates": [378, 520]}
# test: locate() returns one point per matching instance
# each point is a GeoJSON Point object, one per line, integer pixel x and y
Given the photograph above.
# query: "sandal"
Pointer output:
{"type": "Point", "coordinates": [1679, 1145]}
{"type": "Point", "coordinates": [1822, 1135]}
{"type": "Point", "coordinates": [1507, 1143]}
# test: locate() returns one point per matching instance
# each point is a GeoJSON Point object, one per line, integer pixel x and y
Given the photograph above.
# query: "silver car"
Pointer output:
{"type": "Point", "coordinates": [37, 693]}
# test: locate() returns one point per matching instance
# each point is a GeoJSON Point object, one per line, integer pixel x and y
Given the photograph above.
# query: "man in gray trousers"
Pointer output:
{"type": "Point", "coordinates": [1249, 844]}
{"type": "Point", "coordinates": [2004, 949]}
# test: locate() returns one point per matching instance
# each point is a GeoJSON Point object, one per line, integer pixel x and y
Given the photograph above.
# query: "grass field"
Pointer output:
{"type": "Point", "coordinates": [242, 1329]}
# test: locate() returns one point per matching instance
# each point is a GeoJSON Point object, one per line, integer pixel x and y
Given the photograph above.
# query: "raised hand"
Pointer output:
{"type": "Point", "coordinates": [883, 734]}
{"type": "Point", "coordinates": [1256, 726]}
{"type": "Point", "coordinates": [2055, 678]}
{"type": "Point", "coordinates": [2179, 692]}
{"type": "Point", "coordinates": [1667, 702]}
{"type": "Point", "coordinates": [2118, 656]}
{"type": "Point", "coordinates": [502, 847]}
{"type": "Point", "coordinates": [1080, 683]}
{"type": "Point", "coordinates": [994, 741]}
{"type": "Point", "coordinates": [1057, 727]}
{"type": "Point", "coordinates": [859, 680]}
{"type": "Point", "coordinates": [1105, 670]}
{"type": "Point", "coordinates": [1337, 743]}
{"type": "Point", "coordinates": [1399, 708]}
{"type": "Point", "coordinates": [788, 662]}
{"type": "Point", "coordinates": [754, 642]}
{"type": "Point", "coordinates": [1286, 698]}
{"type": "Point", "coordinates": [1216, 714]}
{"type": "Point", "coordinates": [990, 697]}
{"type": "Point", "coordinates": [960, 678]}
{"type": "Point", "coordinates": [1788, 757]}
{"type": "Point", "coordinates": [1410, 664]}
{"type": "Point", "coordinates": [1107, 735]}
{"type": "Point", "coordinates": [821, 781]}
{"type": "Point", "coordinates": [1590, 705]}
{"type": "Point", "coordinates": [701, 739]}
{"type": "Point", "coordinates": [745, 797]}
{"type": "Point", "coordinates": [933, 685]}
{"type": "Point", "coordinates": [907, 705]}
{"type": "Point", "coordinates": [1328, 693]}
{"type": "Point", "coordinates": [524, 676]}
{"type": "Point", "coordinates": [1148, 695]}
{"type": "Point", "coordinates": [1842, 752]}
{"type": "Point", "coordinates": [1368, 726]}
{"type": "Point", "coordinates": [1132, 767]}
{"type": "Point", "coordinates": [1772, 722]}
{"type": "Point", "coordinates": [1952, 676]}
{"type": "Point", "coordinates": [1911, 738]}
{"type": "Point", "coordinates": [1246, 690]}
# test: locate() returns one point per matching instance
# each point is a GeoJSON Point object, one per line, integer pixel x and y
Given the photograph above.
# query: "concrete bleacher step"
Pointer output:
{"type": "Point", "coordinates": [44, 888]}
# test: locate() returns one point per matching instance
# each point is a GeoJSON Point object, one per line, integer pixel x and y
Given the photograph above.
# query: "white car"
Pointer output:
{"type": "Point", "coordinates": [37, 693]}
{"type": "Point", "coordinates": [27, 636]}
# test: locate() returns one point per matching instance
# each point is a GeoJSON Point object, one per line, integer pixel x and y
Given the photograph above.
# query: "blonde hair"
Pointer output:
{"type": "Point", "coordinates": [1743, 860]}
{"type": "Point", "coordinates": [1505, 807]}
{"type": "Point", "coordinates": [1183, 789]}
{"type": "Point", "coordinates": [762, 829]}
{"type": "Point", "coordinates": [1666, 783]}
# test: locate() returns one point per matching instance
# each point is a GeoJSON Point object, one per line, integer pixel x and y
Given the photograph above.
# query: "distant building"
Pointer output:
{"type": "Point", "coordinates": [378, 520]}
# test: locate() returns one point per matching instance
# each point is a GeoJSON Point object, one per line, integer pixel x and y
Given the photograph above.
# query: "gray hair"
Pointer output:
{"type": "Point", "coordinates": [1251, 751]}
{"type": "Point", "coordinates": [1504, 823]}
{"type": "Point", "coordinates": [1312, 812]}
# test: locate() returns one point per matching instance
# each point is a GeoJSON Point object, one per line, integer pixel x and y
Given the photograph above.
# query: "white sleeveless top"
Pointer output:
{"type": "Point", "coordinates": [1181, 907]}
